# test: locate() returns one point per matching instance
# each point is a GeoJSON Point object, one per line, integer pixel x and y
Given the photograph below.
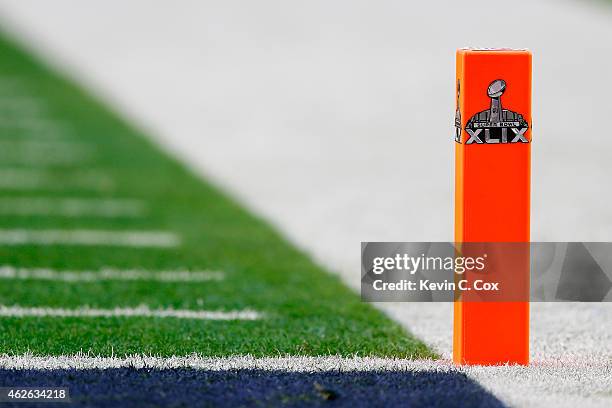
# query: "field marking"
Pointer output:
{"type": "Point", "coordinates": [84, 361]}
{"type": "Point", "coordinates": [22, 179]}
{"type": "Point", "coordinates": [43, 151]}
{"type": "Point", "coordinates": [36, 129]}
{"type": "Point", "coordinates": [195, 361]}
{"type": "Point", "coordinates": [525, 386]}
{"type": "Point", "coordinates": [28, 179]}
{"type": "Point", "coordinates": [36, 157]}
{"type": "Point", "coordinates": [72, 207]}
{"type": "Point", "coordinates": [21, 104]}
{"type": "Point", "coordinates": [9, 83]}
{"type": "Point", "coordinates": [161, 239]}
{"type": "Point", "coordinates": [44, 146]}
{"type": "Point", "coordinates": [109, 274]}
{"type": "Point", "coordinates": [139, 311]}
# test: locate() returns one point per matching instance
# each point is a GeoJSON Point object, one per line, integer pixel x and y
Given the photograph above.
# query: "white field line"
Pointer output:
{"type": "Point", "coordinates": [72, 207]}
{"type": "Point", "coordinates": [40, 157]}
{"type": "Point", "coordinates": [22, 104]}
{"type": "Point", "coordinates": [160, 239]}
{"type": "Point", "coordinates": [42, 152]}
{"type": "Point", "coordinates": [28, 179]}
{"type": "Point", "coordinates": [23, 179]}
{"type": "Point", "coordinates": [36, 128]}
{"type": "Point", "coordinates": [195, 361]}
{"type": "Point", "coordinates": [41, 146]}
{"type": "Point", "coordinates": [12, 83]}
{"type": "Point", "coordinates": [109, 274]}
{"type": "Point", "coordinates": [524, 386]}
{"type": "Point", "coordinates": [139, 311]}
{"type": "Point", "coordinates": [83, 361]}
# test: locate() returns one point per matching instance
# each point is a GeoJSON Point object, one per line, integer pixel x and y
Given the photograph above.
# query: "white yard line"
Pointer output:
{"type": "Point", "coordinates": [11, 83]}
{"type": "Point", "coordinates": [109, 274]}
{"type": "Point", "coordinates": [35, 128]}
{"type": "Point", "coordinates": [160, 239]}
{"type": "Point", "coordinates": [140, 311]}
{"type": "Point", "coordinates": [40, 151]}
{"type": "Point", "coordinates": [286, 363]}
{"type": "Point", "coordinates": [36, 151]}
{"type": "Point", "coordinates": [43, 157]}
{"type": "Point", "coordinates": [569, 381]}
{"type": "Point", "coordinates": [18, 105]}
{"type": "Point", "coordinates": [12, 178]}
{"type": "Point", "coordinates": [37, 146]}
{"type": "Point", "coordinates": [72, 207]}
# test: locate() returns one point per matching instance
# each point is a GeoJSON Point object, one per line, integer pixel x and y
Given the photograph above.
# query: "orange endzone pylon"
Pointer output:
{"type": "Point", "coordinates": [492, 192]}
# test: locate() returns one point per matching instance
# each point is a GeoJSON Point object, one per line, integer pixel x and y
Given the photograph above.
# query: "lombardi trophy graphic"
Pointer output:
{"type": "Point", "coordinates": [496, 124]}
{"type": "Point", "coordinates": [458, 115]}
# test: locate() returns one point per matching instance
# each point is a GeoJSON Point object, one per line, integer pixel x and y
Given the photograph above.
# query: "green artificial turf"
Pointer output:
{"type": "Point", "coordinates": [82, 149]}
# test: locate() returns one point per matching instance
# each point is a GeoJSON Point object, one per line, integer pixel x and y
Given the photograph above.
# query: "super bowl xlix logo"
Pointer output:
{"type": "Point", "coordinates": [494, 125]}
